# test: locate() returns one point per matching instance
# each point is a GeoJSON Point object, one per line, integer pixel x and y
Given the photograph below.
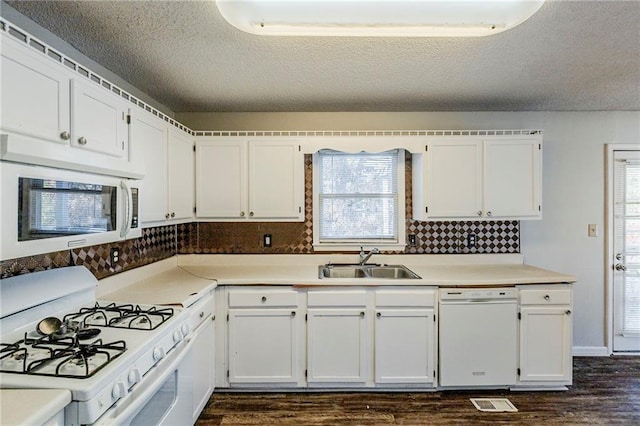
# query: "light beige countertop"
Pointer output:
{"type": "Point", "coordinates": [302, 270]}
{"type": "Point", "coordinates": [158, 284]}
{"type": "Point", "coordinates": [31, 406]}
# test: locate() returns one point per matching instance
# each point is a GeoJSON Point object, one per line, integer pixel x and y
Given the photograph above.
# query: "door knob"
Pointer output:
{"type": "Point", "coordinates": [620, 267]}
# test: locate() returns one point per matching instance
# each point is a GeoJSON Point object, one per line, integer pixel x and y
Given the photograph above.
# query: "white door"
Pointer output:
{"type": "Point", "coordinates": [404, 346]}
{"type": "Point", "coordinates": [221, 179]}
{"type": "Point", "coordinates": [181, 175]}
{"type": "Point", "coordinates": [512, 178]}
{"type": "Point", "coordinates": [98, 120]}
{"type": "Point", "coordinates": [263, 346]}
{"type": "Point", "coordinates": [276, 180]}
{"type": "Point", "coordinates": [454, 179]}
{"type": "Point", "coordinates": [337, 346]}
{"type": "Point", "coordinates": [545, 343]}
{"type": "Point", "coordinates": [626, 251]}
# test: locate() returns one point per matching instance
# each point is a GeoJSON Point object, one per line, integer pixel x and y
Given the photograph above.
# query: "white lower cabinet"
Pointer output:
{"type": "Point", "coordinates": [373, 337]}
{"type": "Point", "coordinates": [545, 335]}
{"type": "Point", "coordinates": [265, 338]}
{"type": "Point", "coordinates": [338, 338]}
{"type": "Point", "coordinates": [405, 337]}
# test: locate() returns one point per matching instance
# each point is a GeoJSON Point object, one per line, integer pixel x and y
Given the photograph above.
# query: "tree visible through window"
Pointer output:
{"type": "Point", "coordinates": [358, 196]}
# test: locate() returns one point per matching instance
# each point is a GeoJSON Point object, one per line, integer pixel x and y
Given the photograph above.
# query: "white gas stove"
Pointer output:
{"type": "Point", "coordinates": [105, 353]}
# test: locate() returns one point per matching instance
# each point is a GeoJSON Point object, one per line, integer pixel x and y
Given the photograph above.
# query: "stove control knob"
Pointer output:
{"type": "Point", "coordinates": [118, 390]}
{"type": "Point", "coordinates": [177, 336]}
{"type": "Point", "coordinates": [185, 329]}
{"type": "Point", "coordinates": [158, 353]}
{"type": "Point", "coordinates": [134, 376]}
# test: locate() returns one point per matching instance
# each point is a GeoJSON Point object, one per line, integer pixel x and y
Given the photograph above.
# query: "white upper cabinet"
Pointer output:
{"type": "Point", "coordinates": [181, 175]}
{"type": "Point", "coordinates": [242, 180]}
{"type": "Point", "coordinates": [52, 116]}
{"type": "Point", "coordinates": [512, 178]}
{"type": "Point", "coordinates": [35, 95]}
{"type": "Point", "coordinates": [99, 120]}
{"type": "Point", "coordinates": [465, 177]}
{"type": "Point", "coordinates": [167, 190]}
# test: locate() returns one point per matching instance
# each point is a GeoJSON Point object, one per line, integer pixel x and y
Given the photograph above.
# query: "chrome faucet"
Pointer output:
{"type": "Point", "coordinates": [364, 256]}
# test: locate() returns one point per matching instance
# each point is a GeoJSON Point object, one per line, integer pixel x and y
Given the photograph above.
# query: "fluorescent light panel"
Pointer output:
{"type": "Point", "coordinates": [377, 18]}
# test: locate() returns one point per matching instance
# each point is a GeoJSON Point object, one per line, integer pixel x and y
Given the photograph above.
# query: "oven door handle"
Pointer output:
{"type": "Point", "coordinates": [126, 409]}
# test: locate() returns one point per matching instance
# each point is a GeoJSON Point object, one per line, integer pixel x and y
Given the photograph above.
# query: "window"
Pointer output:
{"type": "Point", "coordinates": [358, 200]}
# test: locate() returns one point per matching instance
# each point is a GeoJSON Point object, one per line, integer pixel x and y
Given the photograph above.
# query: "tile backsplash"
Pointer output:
{"type": "Point", "coordinates": [158, 243]}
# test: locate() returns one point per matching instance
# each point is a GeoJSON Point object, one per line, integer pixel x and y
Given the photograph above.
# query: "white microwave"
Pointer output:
{"type": "Point", "coordinates": [45, 210]}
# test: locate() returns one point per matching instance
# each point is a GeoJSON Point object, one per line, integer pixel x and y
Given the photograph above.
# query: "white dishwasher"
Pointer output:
{"type": "Point", "coordinates": [478, 337]}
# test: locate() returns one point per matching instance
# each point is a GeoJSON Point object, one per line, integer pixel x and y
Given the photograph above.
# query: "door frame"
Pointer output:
{"type": "Point", "coordinates": [610, 148]}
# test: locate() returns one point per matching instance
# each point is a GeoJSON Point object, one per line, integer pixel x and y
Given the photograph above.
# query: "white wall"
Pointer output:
{"type": "Point", "coordinates": [573, 183]}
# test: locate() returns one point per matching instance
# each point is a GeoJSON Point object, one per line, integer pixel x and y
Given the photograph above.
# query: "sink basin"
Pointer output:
{"type": "Point", "coordinates": [395, 272]}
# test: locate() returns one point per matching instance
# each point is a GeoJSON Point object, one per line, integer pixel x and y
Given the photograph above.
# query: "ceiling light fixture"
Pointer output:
{"type": "Point", "coordinates": [377, 18]}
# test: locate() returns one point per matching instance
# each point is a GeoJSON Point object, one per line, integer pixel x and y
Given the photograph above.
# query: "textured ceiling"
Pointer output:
{"type": "Point", "coordinates": [571, 56]}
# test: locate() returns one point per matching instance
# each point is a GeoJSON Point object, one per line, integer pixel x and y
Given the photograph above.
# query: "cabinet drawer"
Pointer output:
{"type": "Point", "coordinates": [200, 311]}
{"type": "Point", "coordinates": [412, 298]}
{"type": "Point", "coordinates": [337, 298]}
{"type": "Point", "coordinates": [253, 298]}
{"type": "Point", "coordinates": [545, 297]}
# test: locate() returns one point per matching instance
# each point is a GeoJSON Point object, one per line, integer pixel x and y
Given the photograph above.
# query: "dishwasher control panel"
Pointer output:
{"type": "Point", "coordinates": [479, 294]}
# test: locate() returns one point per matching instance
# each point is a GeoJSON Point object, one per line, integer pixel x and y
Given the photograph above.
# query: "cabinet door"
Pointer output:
{"type": "Point", "coordinates": [181, 175]}
{"type": "Point", "coordinates": [545, 343]}
{"type": "Point", "coordinates": [263, 346]}
{"type": "Point", "coordinates": [204, 363]}
{"type": "Point", "coordinates": [149, 147]}
{"type": "Point", "coordinates": [98, 120]}
{"type": "Point", "coordinates": [221, 179]}
{"type": "Point", "coordinates": [512, 178]}
{"type": "Point", "coordinates": [35, 95]}
{"type": "Point", "coordinates": [338, 348]}
{"type": "Point", "coordinates": [276, 180]}
{"type": "Point", "coordinates": [453, 178]}
{"type": "Point", "coordinates": [404, 346]}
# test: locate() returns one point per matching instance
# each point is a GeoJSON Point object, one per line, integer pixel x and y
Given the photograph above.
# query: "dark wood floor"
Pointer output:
{"type": "Point", "coordinates": [606, 391]}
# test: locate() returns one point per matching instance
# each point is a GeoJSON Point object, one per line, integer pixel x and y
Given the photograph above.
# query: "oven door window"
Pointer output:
{"type": "Point", "coordinates": [160, 404]}
{"type": "Point", "coordinates": [52, 208]}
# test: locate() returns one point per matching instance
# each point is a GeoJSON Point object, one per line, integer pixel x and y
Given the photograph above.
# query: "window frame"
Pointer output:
{"type": "Point", "coordinates": [366, 244]}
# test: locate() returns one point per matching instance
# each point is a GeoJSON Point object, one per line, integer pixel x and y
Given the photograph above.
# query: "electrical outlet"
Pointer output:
{"type": "Point", "coordinates": [471, 240]}
{"type": "Point", "coordinates": [266, 240]}
{"type": "Point", "coordinates": [412, 240]}
{"type": "Point", "coordinates": [593, 230]}
{"type": "Point", "coordinates": [115, 255]}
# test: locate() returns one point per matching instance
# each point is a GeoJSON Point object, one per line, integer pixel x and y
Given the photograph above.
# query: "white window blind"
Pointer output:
{"type": "Point", "coordinates": [358, 196]}
{"type": "Point", "coordinates": [627, 222]}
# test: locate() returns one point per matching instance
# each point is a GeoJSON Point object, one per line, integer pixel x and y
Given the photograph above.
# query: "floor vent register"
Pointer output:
{"type": "Point", "coordinates": [494, 405]}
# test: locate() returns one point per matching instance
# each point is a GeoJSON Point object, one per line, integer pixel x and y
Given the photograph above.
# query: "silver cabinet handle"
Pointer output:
{"type": "Point", "coordinates": [241, 214]}
{"type": "Point", "coordinates": [293, 313]}
{"type": "Point", "coordinates": [361, 314]}
{"type": "Point", "coordinates": [264, 299]}
{"type": "Point", "coordinates": [251, 214]}
{"type": "Point", "coordinates": [547, 297]}
{"type": "Point", "coordinates": [65, 136]}
{"type": "Point", "coordinates": [201, 314]}
{"type": "Point", "coordinates": [568, 312]}
{"type": "Point", "coordinates": [379, 315]}
{"type": "Point", "coordinates": [488, 213]}
{"type": "Point", "coordinates": [166, 216]}
{"type": "Point", "coordinates": [82, 140]}
{"type": "Point", "coordinates": [173, 214]}
{"type": "Point", "coordinates": [479, 212]}
{"type": "Point", "coordinates": [620, 267]}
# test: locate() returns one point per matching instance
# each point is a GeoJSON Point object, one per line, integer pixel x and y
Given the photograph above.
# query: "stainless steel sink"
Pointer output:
{"type": "Point", "coordinates": [394, 272]}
